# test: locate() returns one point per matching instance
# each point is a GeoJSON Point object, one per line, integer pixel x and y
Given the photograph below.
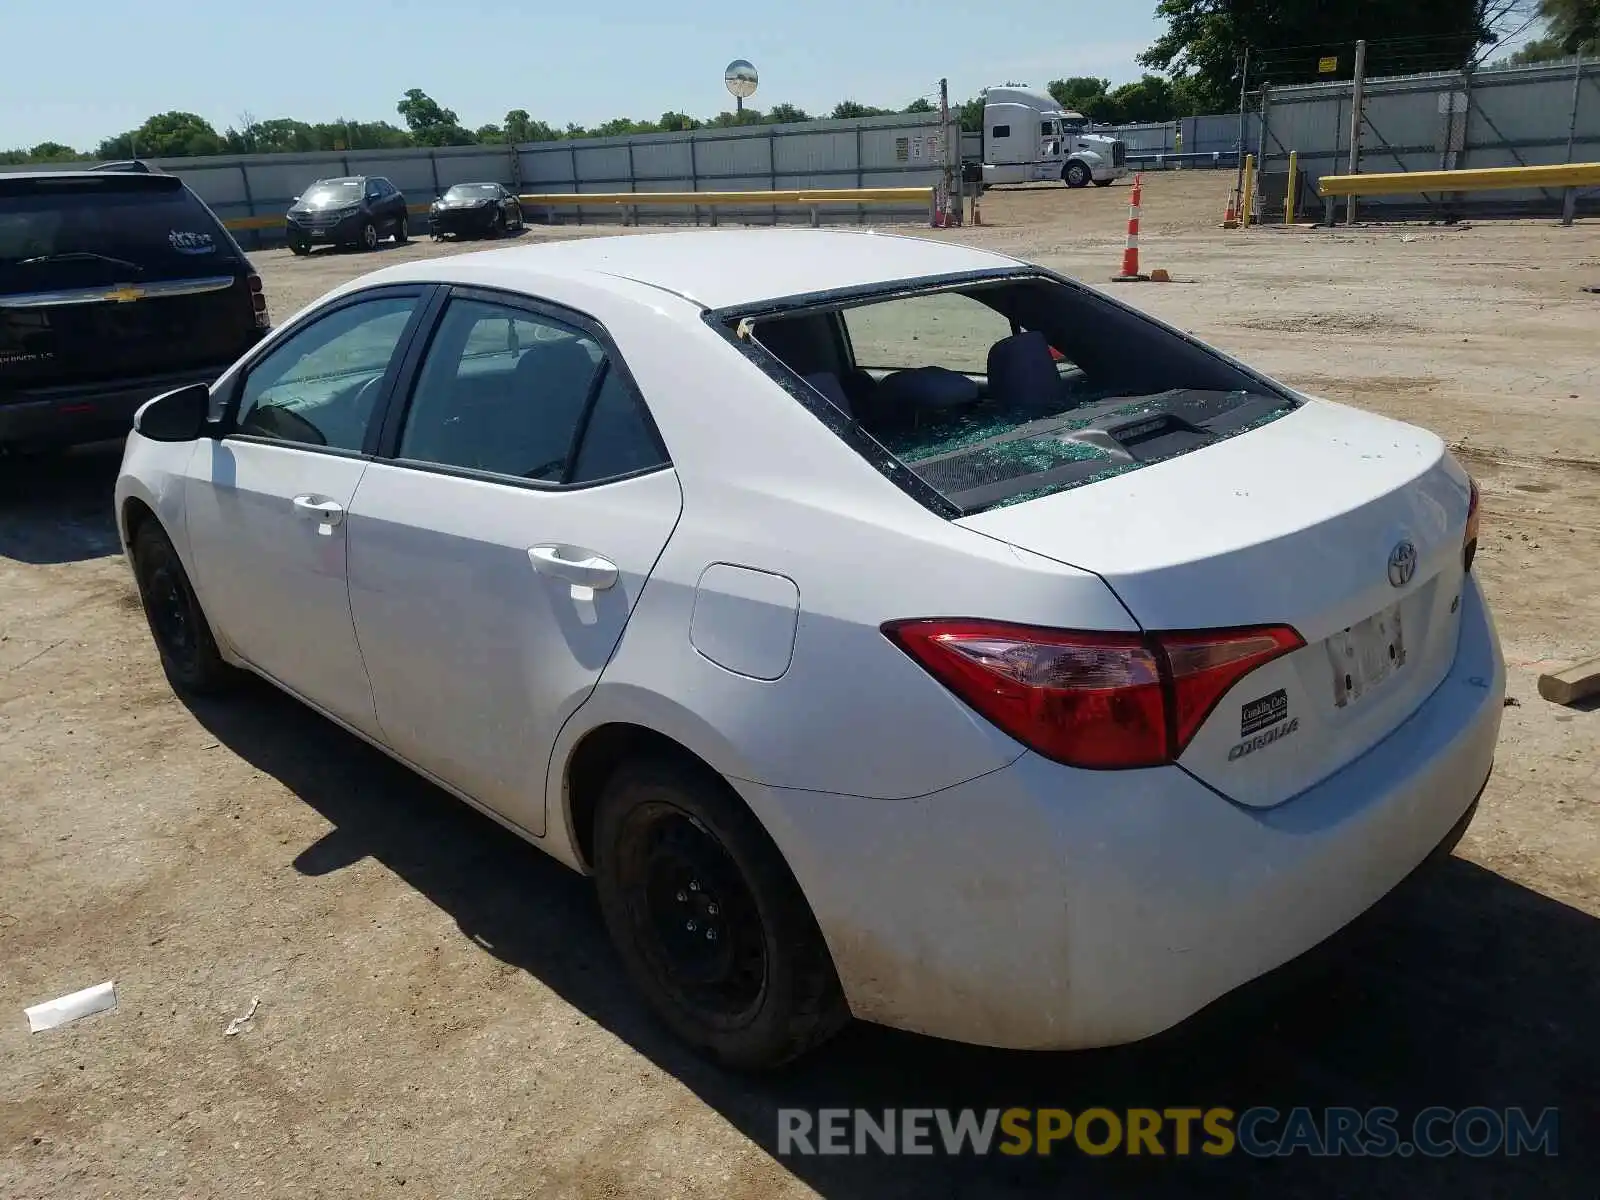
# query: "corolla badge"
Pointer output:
{"type": "Point", "coordinates": [1402, 564]}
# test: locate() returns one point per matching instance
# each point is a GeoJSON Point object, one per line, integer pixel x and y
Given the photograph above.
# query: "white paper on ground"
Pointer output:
{"type": "Point", "coordinates": [99, 998]}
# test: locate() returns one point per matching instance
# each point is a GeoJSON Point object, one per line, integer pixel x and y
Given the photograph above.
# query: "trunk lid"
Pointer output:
{"type": "Point", "coordinates": [1305, 521]}
{"type": "Point", "coordinates": [115, 276]}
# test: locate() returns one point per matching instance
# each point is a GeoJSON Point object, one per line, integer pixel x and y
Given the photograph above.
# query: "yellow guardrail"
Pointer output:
{"type": "Point", "coordinates": [1565, 176]}
{"type": "Point", "coordinates": [1483, 179]}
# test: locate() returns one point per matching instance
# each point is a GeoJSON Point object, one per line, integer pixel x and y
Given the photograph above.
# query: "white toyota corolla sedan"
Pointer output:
{"type": "Point", "coordinates": [894, 629]}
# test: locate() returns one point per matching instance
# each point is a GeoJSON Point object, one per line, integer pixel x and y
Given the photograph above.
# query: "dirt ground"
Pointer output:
{"type": "Point", "coordinates": [440, 1013]}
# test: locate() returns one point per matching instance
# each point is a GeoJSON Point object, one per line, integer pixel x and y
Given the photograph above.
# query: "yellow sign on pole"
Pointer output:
{"type": "Point", "coordinates": [1327, 66]}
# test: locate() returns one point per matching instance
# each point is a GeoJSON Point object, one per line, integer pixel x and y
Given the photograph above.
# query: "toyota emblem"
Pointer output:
{"type": "Point", "coordinates": [1402, 564]}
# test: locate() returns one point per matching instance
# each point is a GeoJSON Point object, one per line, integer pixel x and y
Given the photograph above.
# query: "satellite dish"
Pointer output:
{"type": "Point", "coordinates": [741, 79]}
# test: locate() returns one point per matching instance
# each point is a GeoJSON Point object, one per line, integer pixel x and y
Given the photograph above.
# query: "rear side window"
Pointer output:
{"type": "Point", "coordinates": [998, 392]}
{"type": "Point", "coordinates": [163, 231]}
{"type": "Point", "coordinates": [515, 393]}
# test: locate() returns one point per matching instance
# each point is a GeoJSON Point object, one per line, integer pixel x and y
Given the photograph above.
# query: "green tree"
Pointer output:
{"type": "Point", "coordinates": [1571, 27]}
{"type": "Point", "coordinates": [748, 116]}
{"type": "Point", "coordinates": [846, 109]}
{"type": "Point", "coordinates": [1205, 39]}
{"type": "Point", "coordinates": [676, 122]}
{"type": "Point", "coordinates": [786, 114]}
{"type": "Point", "coordinates": [1087, 95]}
{"type": "Point", "coordinates": [920, 105]}
{"type": "Point", "coordinates": [489, 135]}
{"type": "Point", "coordinates": [972, 115]}
{"type": "Point", "coordinates": [53, 152]}
{"type": "Point", "coordinates": [165, 135]}
{"type": "Point", "coordinates": [520, 128]}
{"type": "Point", "coordinates": [430, 123]}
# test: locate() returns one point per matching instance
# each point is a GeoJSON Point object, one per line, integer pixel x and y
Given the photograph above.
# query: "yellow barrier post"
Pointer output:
{"type": "Point", "coordinates": [1294, 182]}
{"type": "Point", "coordinates": [1249, 191]}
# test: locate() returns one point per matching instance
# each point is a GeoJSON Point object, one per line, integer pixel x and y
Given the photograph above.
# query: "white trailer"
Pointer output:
{"type": "Point", "coordinates": [1028, 137]}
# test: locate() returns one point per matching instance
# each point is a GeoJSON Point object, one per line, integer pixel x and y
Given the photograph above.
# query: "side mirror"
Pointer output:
{"type": "Point", "coordinates": [175, 416]}
{"type": "Point", "coordinates": [294, 199]}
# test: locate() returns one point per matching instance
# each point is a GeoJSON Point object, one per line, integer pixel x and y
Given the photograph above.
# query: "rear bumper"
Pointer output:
{"type": "Point", "coordinates": [92, 412]}
{"type": "Point", "coordinates": [1045, 908]}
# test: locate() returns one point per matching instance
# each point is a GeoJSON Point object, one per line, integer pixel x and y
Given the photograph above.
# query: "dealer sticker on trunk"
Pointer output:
{"type": "Point", "coordinates": [1259, 714]}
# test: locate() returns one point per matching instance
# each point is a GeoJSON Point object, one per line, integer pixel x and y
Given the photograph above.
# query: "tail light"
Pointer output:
{"type": "Point", "coordinates": [1469, 540]}
{"type": "Point", "coordinates": [258, 302]}
{"type": "Point", "coordinates": [1097, 700]}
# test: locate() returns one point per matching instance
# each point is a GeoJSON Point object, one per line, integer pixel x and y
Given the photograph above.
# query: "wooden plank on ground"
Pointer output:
{"type": "Point", "coordinates": [1572, 685]}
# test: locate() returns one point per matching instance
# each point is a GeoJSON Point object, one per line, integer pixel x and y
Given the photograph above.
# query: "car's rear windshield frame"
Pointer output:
{"type": "Point", "coordinates": [728, 321]}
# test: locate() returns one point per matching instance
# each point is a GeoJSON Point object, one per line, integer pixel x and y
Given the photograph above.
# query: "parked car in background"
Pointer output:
{"type": "Point", "coordinates": [114, 286]}
{"type": "Point", "coordinates": [350, 210]}
{"type": "Point", "coordinates": [474, 210]}
{"type": "Point", "coordinates": [893, 628]}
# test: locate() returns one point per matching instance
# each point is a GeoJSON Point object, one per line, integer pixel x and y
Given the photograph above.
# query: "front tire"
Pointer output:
{"type": "Point", "coordinates": [369, 236]}
{"type": "Point", "coordinates": [709, 922]}
{"type": "Point", "coordinates": [300, 249]}
{"type": "Point", "coordinates": [182, 635]}
{"type": "Point", "coordinates": [497, 224]}
{"type": "Point", "coordinates": [1076, 175]}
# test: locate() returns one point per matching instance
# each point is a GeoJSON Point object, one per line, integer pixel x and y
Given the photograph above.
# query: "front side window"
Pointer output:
{"type": "Point", "coordinates": [320, 385]}
{"type": "Point", "coordinates": [1001, 131]}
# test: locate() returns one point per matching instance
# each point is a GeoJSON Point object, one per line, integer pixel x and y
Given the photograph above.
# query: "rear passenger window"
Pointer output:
{"type": "Point", "coordinates": [505, 391]}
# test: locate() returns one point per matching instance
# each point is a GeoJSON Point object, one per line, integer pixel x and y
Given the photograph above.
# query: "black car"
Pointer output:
{"type": "Point", "coordinates": [115, 286]}
{"type": "Point", "coordinates": [352, 210]}
{"type": "Point", "coordinates": [475, 210]}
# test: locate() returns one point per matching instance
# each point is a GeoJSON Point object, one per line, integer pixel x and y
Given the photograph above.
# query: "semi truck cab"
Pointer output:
{"type": "Point", "coordinates": [1028, 137]}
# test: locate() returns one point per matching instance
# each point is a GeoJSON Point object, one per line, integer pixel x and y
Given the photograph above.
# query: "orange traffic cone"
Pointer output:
{"type": "Point", "coordinates": [1230, 219]}
{"type": "Point", "coordinates": [1130, 255]}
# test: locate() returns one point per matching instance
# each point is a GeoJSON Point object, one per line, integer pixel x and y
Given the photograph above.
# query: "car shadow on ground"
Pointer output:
{"type": "Point", "coordinates": [1461, 989]}
{"type": "Point", "coordinates": [58, 508]}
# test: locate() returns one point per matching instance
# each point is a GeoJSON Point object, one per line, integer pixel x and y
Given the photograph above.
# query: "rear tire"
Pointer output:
{"type": "Point", "coordinates": [402, 234]}
{"type": "Point", "coordinates": [1104, 182]}
{"type": "Point", "coordinates": [709, 922]}
{"type": "Point", "coordinates": [182, 635]}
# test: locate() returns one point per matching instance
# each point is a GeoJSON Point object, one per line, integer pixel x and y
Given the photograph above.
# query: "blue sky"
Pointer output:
{"type": "Point", "coordinates": [76, 72]}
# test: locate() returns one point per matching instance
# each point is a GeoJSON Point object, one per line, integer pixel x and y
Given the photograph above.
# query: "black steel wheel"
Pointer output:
{"type": "Point", "coordinates": [708, 919]}
{"type": "Point", "coordinates": [182, 636]}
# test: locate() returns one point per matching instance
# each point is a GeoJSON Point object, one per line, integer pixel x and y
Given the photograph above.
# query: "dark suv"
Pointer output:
{"type": "Point", "coordinates": [115, 286]}
{"type": "Point", "coordinates": [352, 210]}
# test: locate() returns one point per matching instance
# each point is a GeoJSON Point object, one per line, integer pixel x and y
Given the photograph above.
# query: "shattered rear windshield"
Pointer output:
{"type": "Point", "coordinates": [1003, 391]}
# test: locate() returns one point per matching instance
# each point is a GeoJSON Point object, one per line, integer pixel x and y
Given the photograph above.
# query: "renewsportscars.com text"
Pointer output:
{"type": "Point", "coordinates": [1259, 1132]}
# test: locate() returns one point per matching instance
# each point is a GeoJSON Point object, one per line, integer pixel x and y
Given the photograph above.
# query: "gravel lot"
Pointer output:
{"type": "Point", "coordinates": [440, 1013]}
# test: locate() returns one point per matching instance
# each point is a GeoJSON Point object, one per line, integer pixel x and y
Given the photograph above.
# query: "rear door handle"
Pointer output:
{"type": "Point", "coordinates": [582, 568]}
{"type": "Point", "coordinates": [314, 508]}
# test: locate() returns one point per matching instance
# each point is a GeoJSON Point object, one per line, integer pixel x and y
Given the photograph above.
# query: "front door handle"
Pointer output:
{"type": "Point", "coordinates": [314, 508]}
{"type": "Point", "coordinates": [582, 568]}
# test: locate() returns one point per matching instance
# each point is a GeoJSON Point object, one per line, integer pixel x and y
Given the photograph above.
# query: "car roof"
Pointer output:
{"type": "Point", "coordinates": [720, 268]}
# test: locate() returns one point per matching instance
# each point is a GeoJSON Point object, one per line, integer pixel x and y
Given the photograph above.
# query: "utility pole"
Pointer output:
{"type": "Point", "coordinates": [1244, 83]}
{"type": "Point", "coordinates": [945, 139]}
{"type": "Point", "coordinates": [1355, 123]}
